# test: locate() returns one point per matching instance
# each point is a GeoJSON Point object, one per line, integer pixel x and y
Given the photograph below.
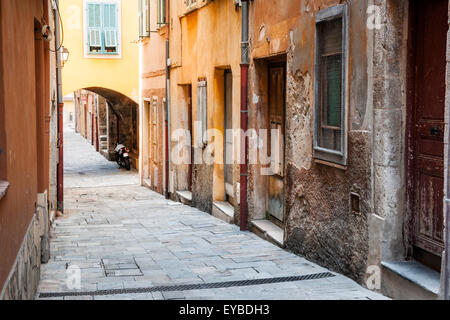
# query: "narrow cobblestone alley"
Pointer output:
{"type": "Point", "coordinates": [125, 238]}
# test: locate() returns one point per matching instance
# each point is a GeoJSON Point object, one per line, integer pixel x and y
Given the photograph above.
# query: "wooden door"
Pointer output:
{"type": "Point", "coordinates": [149, 143]}
{"type": "Point", "coordinates": [190, 126]}
{"type": "Point", "coordinates": [228, 137]}
{"type": "Point", "coordinates": [85, 130]}
{"type": "Point", "coordinates": [154, 125]}
{"type": "Point", "coordinates": [428, 120]}
{"type": "Point", "coordinates": [277, 89]}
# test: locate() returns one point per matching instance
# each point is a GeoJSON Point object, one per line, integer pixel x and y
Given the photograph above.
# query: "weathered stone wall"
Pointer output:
{"type": "Point", "coordinates": [389, 112]}
{"type": "Point", "coordinates": [24, 278]}
{"type": "Point", "coordinates": [202, 187]}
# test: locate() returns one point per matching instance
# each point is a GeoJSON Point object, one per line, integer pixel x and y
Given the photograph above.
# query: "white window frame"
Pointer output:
{"type": "Point", "coordinates": [119, 28]}
{"type": "Point", "coordinates": [320, 153]}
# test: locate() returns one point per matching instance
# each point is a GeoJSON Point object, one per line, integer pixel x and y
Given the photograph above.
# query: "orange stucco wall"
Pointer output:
{"type": "Point", "coordinates": [18, 103]}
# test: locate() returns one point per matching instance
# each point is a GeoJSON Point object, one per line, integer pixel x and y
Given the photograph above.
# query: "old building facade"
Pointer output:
{"type": "Point", "coordinates": [205, 105]}
{"type": "Point", "coordinates": [28, 144]}
{"type": "Point", "coordinates": [154, 35]}
{"type": "Point", "coordinates": [101, 38]}
{"type": "Point", "coordinates": [346, 130]}
{"type": "Point", "coordinates": [361, 176]}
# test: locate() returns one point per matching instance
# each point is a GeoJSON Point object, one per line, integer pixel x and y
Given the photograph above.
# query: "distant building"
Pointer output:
{"type": "Point", "coordinates": [101, 38]}
{"type": "Point", "coordinates": [346, 118]}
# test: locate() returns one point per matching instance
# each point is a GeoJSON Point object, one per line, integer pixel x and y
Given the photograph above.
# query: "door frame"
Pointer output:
{"type": "Point", "coordinates": [271, 65]}
{"type": "Point", "coordinates": [409, 153]}
{"type": "Point", "coordinates": [227, 72]}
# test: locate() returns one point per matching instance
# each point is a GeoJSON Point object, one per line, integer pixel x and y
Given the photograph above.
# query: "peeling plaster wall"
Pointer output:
{"type": "Point", "coordinates": [319, 223]}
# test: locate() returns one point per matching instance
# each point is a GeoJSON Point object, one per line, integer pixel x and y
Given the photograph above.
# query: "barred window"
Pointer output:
{"type": "Point", "coordinates": [330, 100]}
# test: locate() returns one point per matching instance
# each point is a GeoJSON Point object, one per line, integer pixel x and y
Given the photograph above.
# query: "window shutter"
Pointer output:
{"type": "Point", "coordinates": [94, 25]}
{"type": "Point", "coordinates": [141, 18]}
{"type": "Point", "coordinates": [146, 18]}
{"type": "Point", "coordinates": [110, 25]}
{"type": "Point", "coordinates": [203, 110]}
{"type": "Point", "coordinates": [330, 129]}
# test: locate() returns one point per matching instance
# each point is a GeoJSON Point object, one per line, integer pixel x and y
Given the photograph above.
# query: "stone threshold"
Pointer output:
{"type": "Point", "coordinates": [415, 272]}
{"type": "Point", "coordinates": [147, 183]}
{"type": "Point", "coordinates": [269, 231]}
{"type": "Point", "coordinates": [223, 211]}
{"type": "Point", "coordinates": [185, 197]}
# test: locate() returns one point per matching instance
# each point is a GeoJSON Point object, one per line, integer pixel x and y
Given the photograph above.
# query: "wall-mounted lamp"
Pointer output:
{"type": "Point", "coordinates": [64, 55]}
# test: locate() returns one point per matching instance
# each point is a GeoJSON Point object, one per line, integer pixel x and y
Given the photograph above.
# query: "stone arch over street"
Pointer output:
{"type": "Point", "coordinates": [105, 117]}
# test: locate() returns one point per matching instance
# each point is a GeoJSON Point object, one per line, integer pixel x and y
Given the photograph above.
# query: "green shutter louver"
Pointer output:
{"type": "Point", "coordinates": [94, 27]}
{"type": "Point", "coordinates": [110, 26]}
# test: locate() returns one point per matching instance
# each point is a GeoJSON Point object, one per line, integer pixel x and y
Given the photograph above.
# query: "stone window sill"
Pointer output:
{"type": "Point", "coordinates": [4, 185]}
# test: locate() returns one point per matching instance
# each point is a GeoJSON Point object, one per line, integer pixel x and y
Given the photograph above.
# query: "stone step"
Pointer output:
{"type": "Point", "coordinates": [223, 211]}
{"type": "Point", "coordinates": [409, 280]}
{"type": "Point", "coordinates": [269, 231]}
{"type": "Point", "coordinates": [185, 197]}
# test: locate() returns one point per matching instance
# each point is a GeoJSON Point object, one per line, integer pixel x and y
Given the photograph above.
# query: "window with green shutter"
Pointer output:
{"type": "Point", "coordinates": [162, 14]}
{"type": "Point", "coordinates": [144, 18]}
{"type": "Point", "coordinates": [330, 134]}
{"type": "Point", "coordinates": [103, 34]}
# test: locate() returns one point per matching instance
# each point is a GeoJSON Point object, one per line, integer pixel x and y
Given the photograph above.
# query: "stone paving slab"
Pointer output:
{"type": "Point", "coordinates": [123, 236]}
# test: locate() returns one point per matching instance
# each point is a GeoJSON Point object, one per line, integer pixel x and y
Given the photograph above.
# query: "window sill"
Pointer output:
{"type": "Point", "coordinates": [330, 164]}
{"type": "Point", "coordinates": [4, 185]}
{"type": "Point", "coordinates": [103, 56]}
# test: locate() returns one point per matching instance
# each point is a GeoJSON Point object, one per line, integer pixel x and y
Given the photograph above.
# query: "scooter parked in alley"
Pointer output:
{"type": "Point", "coordinates": [123, 156]}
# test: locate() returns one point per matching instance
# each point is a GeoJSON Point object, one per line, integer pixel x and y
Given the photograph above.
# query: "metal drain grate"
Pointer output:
{"type": "Point", "coordinates": [187, 287]}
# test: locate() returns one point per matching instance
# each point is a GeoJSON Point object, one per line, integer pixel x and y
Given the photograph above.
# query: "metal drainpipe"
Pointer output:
{"type": "Point", "coordinates": [60, 175]}
{"type": "Point", "coordinates": [244, 115]}
{"type": "Point", "coordinates": [167, 120]}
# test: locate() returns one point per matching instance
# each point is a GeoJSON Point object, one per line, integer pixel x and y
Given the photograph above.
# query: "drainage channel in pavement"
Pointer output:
{"type": "Point", "coordinates": [188, 287]}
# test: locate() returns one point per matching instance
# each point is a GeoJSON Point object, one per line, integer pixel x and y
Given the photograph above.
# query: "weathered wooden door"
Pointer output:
{"type": "Point", "coordinates": [428, 119]}
{"type": "Point", "coordinates": [277, 89]}
{"type": "Point", "coordinates": [154, 143]}
{"type": "Point", "coordinates": [149, 143]}
{"type": "Point", "coordinates": [228, 137]}
{"type": "Point", "coordinates": [191, 132]}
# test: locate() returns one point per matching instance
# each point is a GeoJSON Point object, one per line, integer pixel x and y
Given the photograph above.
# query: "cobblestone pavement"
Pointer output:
{"type": "Point", "coordinates": [121, 236]}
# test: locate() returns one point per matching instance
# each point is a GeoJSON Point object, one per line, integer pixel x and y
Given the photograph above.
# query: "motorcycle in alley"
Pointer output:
{"type": "Point", "coordinates": [123, 156]}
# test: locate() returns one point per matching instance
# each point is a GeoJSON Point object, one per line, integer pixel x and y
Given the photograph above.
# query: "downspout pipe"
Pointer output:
{"type": "Point", "coordinates": [60, 173]}
{"type": "Point", "coordinates": [167, 121]}
{"type": "Point", "coordinates": [244, 116]}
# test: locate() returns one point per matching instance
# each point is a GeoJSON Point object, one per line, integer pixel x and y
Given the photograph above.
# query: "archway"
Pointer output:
{"type": "Point", "coordinates": [105, 117]}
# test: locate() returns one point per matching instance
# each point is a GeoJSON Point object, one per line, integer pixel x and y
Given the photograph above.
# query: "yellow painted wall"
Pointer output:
{"type": "Point", "coordinates": [204, 42]}
{"type": "Point", "coordinates": [118, 74]}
